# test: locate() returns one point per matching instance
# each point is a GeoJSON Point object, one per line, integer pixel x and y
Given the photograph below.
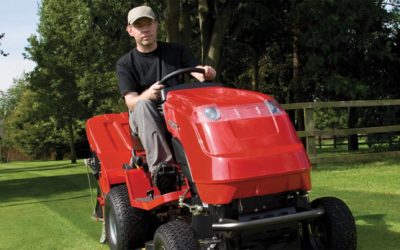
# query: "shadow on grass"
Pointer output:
{"type": "Point", "coordinates": [41, 188]}
{"type": "Point", "coordinates": [375, 212]}
{"type": "Point", "coordinates": [374, 233]}
{"type": "Point", "coordinates": [62, 188]}
{"type": "Point", "coordinates": [40, 168]}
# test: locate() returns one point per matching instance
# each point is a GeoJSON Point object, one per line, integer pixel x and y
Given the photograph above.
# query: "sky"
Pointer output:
{"type": "Point", "coordinates": [18, 20]}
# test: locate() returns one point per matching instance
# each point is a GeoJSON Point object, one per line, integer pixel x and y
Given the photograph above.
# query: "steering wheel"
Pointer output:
{"type": "Point", "coordinates": [179, 72]}
{"type": "Point", "coordinates": [164, 91]}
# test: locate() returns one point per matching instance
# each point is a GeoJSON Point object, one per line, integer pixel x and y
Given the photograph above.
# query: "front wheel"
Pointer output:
{"type": "Point", "coordinates": [126, 227]}
{"type": "Point", "coordinates": [175, 235]}
{"type": "Point", "coordinates": [336, 229]}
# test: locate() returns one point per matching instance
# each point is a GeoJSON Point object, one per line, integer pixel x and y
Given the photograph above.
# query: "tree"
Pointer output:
{"type": "Point", "coordinates": [214, 18]}
{"type": "Point", "coordinates": [8, 101]}
{"type": "Point", "coordinates": [103, 41]}
{"type": "Point", "coordinates": [344, 47]}
{"type": "Point", "coordinates": [10, 98]}
{"type": "Point", "coordinates": [33, 132]}
{"type": "Point", "coordinates": [26, 126]}
{"type": "Point", "coordinates": [2, 53]}
{"type": "Point", "coordinates": [75, 56]}
{"type": "Point", "coordinates": [54, 79]}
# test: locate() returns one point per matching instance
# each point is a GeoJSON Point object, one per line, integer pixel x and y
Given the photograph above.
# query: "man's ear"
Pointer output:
{"type": "Point", "coordinates": [129, 29]}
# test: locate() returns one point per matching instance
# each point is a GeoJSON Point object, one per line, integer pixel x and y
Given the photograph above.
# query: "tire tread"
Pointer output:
{"type": "Point", "coordinates": [342, 232]}
{"type": "Point", "coordinates": [177, 235]}
{"type": "Point", "coordinates": [132, 223]}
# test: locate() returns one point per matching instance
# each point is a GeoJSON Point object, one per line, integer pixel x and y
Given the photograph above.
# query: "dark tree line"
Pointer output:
{"type": "Point", "coordinates": [295, 50]}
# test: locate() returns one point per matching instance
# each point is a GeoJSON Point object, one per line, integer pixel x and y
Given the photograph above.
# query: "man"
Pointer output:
{"type": "Point", "coordinates": [138, 74]}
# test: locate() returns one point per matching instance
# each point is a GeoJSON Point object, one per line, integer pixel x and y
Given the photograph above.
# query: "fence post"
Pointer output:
{"type": "Point", "coordinates": [310, 138]}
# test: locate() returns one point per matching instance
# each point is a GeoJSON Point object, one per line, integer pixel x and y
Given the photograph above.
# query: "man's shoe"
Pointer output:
{"type": "Point", "coordinates": [164, 177]}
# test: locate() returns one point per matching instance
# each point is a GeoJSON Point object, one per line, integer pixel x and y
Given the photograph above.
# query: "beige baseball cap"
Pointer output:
{"type": "Point", "coordinates": [139, 12]}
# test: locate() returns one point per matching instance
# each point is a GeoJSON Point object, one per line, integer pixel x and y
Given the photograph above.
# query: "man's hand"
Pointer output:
{"type": "Point", "coordinates": [209, 73]}
{"type": "Point", "coordinates": [154, 92]}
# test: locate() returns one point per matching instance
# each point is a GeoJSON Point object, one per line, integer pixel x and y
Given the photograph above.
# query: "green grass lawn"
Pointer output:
{"type": "Point", "coordinates": [47, 205]}
{"type": "Point", "coordinates": [372, 191]}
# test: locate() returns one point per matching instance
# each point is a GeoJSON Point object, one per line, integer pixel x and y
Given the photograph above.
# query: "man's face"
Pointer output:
{"type": "Point", "coordinates": [144, 30]}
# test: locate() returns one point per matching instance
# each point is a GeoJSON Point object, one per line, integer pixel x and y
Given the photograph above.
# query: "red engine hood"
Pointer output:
{"type": "Point", "coordinates": [245, 128]}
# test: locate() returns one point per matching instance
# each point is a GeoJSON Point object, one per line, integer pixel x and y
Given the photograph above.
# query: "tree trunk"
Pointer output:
{"type": "Point", "coordinates": [71, 140]}
{"type": "Point", "coordinates": [352, 123]}
{"type": "Point", "coordinates": [223, 18]}
{"type": "Point", "coordinates": [297, 85]}
{"type": "Point", "coordinates": [334, 142]}
{"type": "Point", "coordinates": [185, 31]}
{"type": "Point", "coordinates": [256, 68]}
{"type": "Point", "coordinates": [59, 154]}
{"type": "Point", "coordinates": [172, 20]}
{"type": "Point", "coordinates": [205, 24]}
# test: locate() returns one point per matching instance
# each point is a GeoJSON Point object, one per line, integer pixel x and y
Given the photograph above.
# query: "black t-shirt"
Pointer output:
{"type": "Point", "coordinates": [137, 71]}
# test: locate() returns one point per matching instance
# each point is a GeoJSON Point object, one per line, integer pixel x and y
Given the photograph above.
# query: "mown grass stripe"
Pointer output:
{"type": "Point", "coordinates": [46, 205]}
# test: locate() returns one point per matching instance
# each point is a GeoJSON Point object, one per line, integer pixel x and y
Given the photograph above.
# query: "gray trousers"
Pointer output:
{"type": "Point", "coordinates": [147, 123]}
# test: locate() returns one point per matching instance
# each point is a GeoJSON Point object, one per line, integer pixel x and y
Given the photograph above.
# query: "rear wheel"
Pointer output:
{"type": "Point", "coordinates": [126, 227]}
{"type": "Point", "coordinates": [336, 229]}
{"type": "Point", "coordinates": [175, 235]}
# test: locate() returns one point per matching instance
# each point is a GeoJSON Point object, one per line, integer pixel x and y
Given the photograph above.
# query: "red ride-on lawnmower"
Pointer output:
{"type": "Point", "coordinates": [242, 182]}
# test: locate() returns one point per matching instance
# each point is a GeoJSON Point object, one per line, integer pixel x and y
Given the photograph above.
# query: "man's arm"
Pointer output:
{"type": "Point", "coordinates": [209, 73]}
{"type": "Point", "coordinates": [152, 93]}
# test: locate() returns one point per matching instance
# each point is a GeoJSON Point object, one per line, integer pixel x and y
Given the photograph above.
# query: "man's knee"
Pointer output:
{"type": "Point", "coordinates": [145, 107]}
{"type": "Point", "coordinates": [144, 104]}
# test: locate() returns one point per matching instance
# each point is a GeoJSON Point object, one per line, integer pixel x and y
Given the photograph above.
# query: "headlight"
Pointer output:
{"type": "Point", "coordinates": [273, 107]}
{"type": "Point", "coordinates": [212, 113]}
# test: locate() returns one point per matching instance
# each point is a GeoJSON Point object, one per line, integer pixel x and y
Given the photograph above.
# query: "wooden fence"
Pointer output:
{"type": "Point", "coordinates": [310, 132]}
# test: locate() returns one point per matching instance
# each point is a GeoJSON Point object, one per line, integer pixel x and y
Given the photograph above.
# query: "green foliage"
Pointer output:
{"type": "Point", "coordinates": [103, 41]}
{"type": "Point", "coordinates": [54, 80]}
{"type": "Point", "coordinates": [345, 47]}
{"type": "Point", "coordinates": [76, 54]}
{"type": "Point", "coordinates": [32, 131]}
{"type": "Point", "coordinates": [10, 98]}
{"type": "Point", "coordinates": [254, 29]}
{"type": "Point", "coordinates": [330, 118]}
{"type": "Point", "coordinates": [8, 102]}
{"type": "Point", "coordinates": [343, 50]}
{"type": "Point", "coordinates": [381, 116]}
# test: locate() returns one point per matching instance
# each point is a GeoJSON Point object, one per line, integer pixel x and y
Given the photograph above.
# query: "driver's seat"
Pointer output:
{"type": "Point", "coordinates": [136, 143]}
